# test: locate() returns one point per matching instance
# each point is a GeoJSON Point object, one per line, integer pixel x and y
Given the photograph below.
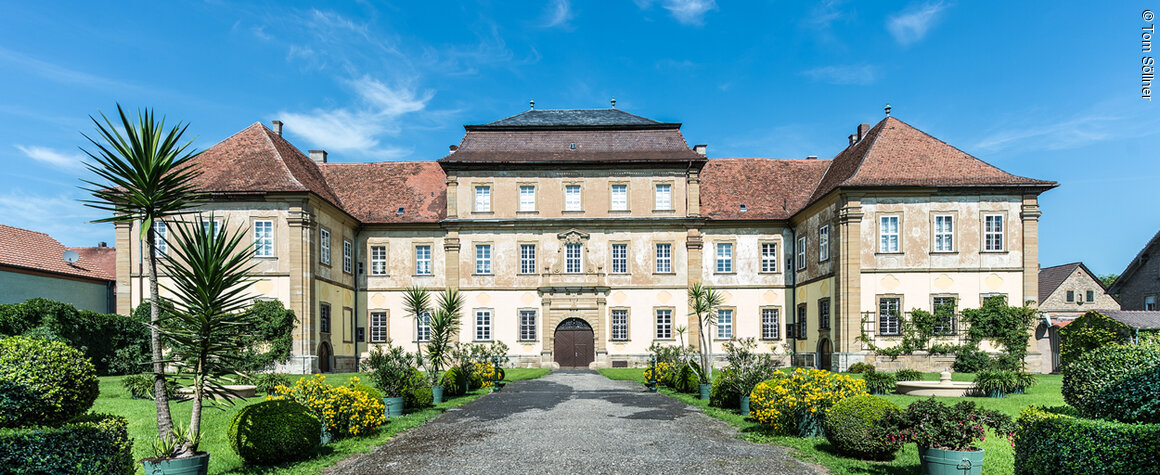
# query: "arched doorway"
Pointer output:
{"type": "Point", "coordinates": [574, 344]}
{"type": "Point", "coordinates": [824, 354]}
{"type": "Point", "coordinates": [324, 357]}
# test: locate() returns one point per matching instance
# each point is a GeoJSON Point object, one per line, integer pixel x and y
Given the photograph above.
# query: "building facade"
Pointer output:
{"type": "Point", "coordinates": [1067, 292]}
{"type": "Point", "coordinates": [1138, 287]}
{"type": "Point", "coordinates": [574, 235]}
{"type": "Point", "coordinates": [33, 265]}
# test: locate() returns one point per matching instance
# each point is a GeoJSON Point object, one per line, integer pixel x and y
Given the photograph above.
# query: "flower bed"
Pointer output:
{"type": "Point", "coordinates": [796, 403]}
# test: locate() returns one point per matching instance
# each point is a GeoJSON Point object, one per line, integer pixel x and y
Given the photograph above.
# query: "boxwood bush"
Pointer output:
{"type": "Point", "coordinates": [93, 443]}
{"type": "Point", "coordinates": [1055, 440]}
{"type": "Point", "coordinates": [683, 379]}
{"type": "Point", "coordinates": [852, 428]}
{"type": "Point", "coordinates": [43, 382]}
{"type": "Point", "coordinates": [861, 368]}
{"type": "Point", "coordinates": [454, 382]}
{"type": "Point", "coordinates": [275, 431]}
{"type": "Point", "coordinates": [879, 383]}
{"type": "Point", "coordinates": [1115, 382]}
{"type": "Point", "coordinates": [724, 393]}
{"type": "Point", "coordinates": [418, 393]}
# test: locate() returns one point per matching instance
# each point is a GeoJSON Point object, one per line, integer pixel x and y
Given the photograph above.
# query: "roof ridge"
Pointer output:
{"type": "Point", "coordinates": [1135, 262]}
{"type": "Point", "coordinates": [869, 147]}
{"type": "Point", "coordinates": [941, 141]}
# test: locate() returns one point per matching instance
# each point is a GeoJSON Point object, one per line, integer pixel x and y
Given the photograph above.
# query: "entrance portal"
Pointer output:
{"type": "Point", "coordinates": [324, 357]}
{"type": "Point", "coordinates": [575, 345]}
{"type": "Point", "coordinates": [824, 354]}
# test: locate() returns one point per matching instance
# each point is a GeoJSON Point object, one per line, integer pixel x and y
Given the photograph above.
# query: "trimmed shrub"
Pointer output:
{"type": "Point", "coordinates": [93, 443]}
{"type": "Point", "coordinates": [852, 428]}
{"type": "Point", "coordinates": [858, 368]}
{"type": "Point", "coordinates": [1088, 332]}
{"type": "Point", "coordinates": [43, 382]}
{"type": "Point", "coordinates": [268, 383]}
{"type": "Point", "coordinates": [370, 391]}
{"type": "Point", "coordinates": [907, 375]}
{"type": "Point", "coordinates": [996, 382]}
{"type": "Point", "coordinates": [724, 393]}
{"type": "Point", "coordinates": [140, 386]}
{"type": "Point", "coordinates": [1055, 440]}
{"type": "Point", "coordinates": [685, 379]}
{"type": "Point", "coordinates": [454, 383]}
{"type": "Point", "coordinates": [879, 383]}
{"type": "Point", "coordinates": [418, 394]}
{"type": "Point", "coordinates": [970, 359]}
{"type": "Point", "coordinates": [271, 432]}
{"type": "Point", "coordinates": [1115, 382]}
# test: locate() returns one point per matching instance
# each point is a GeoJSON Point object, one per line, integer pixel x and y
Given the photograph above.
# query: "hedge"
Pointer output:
{"type": "Point", "coordinates": [1055, 440]}
{"type": "Point", "coordinates": [116, 344]}
{"type": "Point", "coordinates": [1115, 382]}
{"type": "Point", "coordinates": [852, 428]}
{"type": "Point", "coordinates": [93, 443]}
{"type": "Point", "coordinates": [43, 382]}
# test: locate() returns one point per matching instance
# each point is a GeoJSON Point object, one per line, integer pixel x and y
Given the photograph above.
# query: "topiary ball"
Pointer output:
{"type": "Point", "coordinates": [453, 382]}
{"type": "Point", "coordinates": [43, 382]}
{"type": "Point", "coordinates": [852, 427]}
{"type": "Point", "coordinates": [724, 392]}
{"type": "Point", "coordinates": [1115, 382]}
{"type": "Point", "coordinates": [370, 391]}
{"type": "Point", "coordinates": [277, 431]}
{"type": "Point", "coordinates": [418, 393]}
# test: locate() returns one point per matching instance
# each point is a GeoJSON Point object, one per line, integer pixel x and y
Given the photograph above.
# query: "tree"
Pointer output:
{"type": "Point", "coordinates": [210, 271]}
{"type": "Point", "coordinates": [1108, 279]}
{"type": "Point", "coordinates": [145, 175]}
{"type": "Point", "coordinates": [703, 302]}
{"type": "Point", "coordinates": [417, 301]}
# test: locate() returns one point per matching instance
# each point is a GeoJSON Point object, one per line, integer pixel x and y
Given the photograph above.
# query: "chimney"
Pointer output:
{"type": "Point", "coordinates": [453, 148]}
{"type": "Point", "coordinates": [853, 139]}
{"type": "Point", "coordinates": [318, 156]}
{"type": "Point", "coordinates": [700, 149]}
{"type": "Point", "coordinates": [863, 129]}
{"type": "Point", "coordinates": [102, 244]}
{"type": "Point", "coordinates": [278, 127]}
{"type": "Point", "coordinates": [811, 157]}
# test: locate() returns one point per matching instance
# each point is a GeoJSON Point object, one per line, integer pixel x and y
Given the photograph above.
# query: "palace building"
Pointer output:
{"type": "Point", "coordinates": [574, 235]}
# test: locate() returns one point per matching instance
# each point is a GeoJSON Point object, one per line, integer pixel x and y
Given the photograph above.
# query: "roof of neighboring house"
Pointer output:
{"type": "Point", "coordinates": [893, 153]}
{"type": "Point", "coordinates": [37, 251]}
{"type": "Point", "coordinates": [556, 118]}
{"type": "Point", "coordinates": [1141, 319]}
{"type": "Point", "coordinates": [1135, 264]}
{"type": "Point", "coordinates": [259, 160]}
{"type": "Point", "coordinates": [769, 188]}
{"type": "Point", "coordinates": [1050, 278]}
{"type": "Point", "coordinates": [374, 192]}
{"type": "Point", "coordinates": [101, 257]}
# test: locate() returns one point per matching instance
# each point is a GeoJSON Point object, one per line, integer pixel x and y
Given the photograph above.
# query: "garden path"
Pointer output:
{"type": "Point", "coordinates": [574, 421]}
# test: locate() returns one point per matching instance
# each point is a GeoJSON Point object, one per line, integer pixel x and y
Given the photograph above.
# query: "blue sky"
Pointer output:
{"type": "Point", "coordinates": [1050, 91]}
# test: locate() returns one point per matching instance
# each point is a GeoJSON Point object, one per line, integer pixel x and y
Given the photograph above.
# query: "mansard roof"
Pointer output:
{"type": "Point", "coordinates": [573, 118]}
{"type": "Point", "coordinates": [768, 188]}
{"type": "Point", "coordinates": [32, 250]}
{"type": "Point", "coordinates": [390, 192]}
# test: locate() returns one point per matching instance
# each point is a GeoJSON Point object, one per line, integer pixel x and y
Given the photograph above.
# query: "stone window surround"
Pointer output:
{"type": "Point", "coordinates": [273, 220]}
{"type": "Point", "coordinates": [386, 325]}
{"type": "Point", "coordinates": [672, 197]}
{"type": "Point", "coordinates": [564, 190]}
{"type": "Point", "coordinates": [490, 257]}
{"type": "Point", "coordinates": [800, 253]}
{"type": "Point", "coordinates": [324, 238]}
{"type": "Point", "coordinates": [777, 326]}
{"type": "Point", "coordinates": [627, 257]}
{"type": "Point", "coordinates": [348, 332]}
{"type": "Point", "coordinates": [732, 256]}
{"type": "Point", "coordinates": [520, 324]}
{"type": "Point", "coordinates": [823, 243]}
{"type": "Point", "coordinates": [672, 247]}
{"type": "Point", "coordinates": [954, 214]}
{"type": "Point", "coordinates": [347, 256]}
{"type": "Point", "coordinates": [672, 323]}
{"type": "Point", "coordinates": [371, 245]}
{"type": "Point", "coordinates": [878, 311]}
{"type": "Point", "coordinates": [901, 234]}
{"type": "Point", "coordinates": [627, 196]}
{"type": "Point", "coordinates": [627, 324]}
{"type": "Point", "coordinates": [430, 258]}
{"type": "Point", "coordinates": [475, 327]}
{"type": "Point", "coordinates": [535, 257]}
{"type": "Point", "coordinates": [983, 213]}
{"type": "Point", "coordinates": [535, 198]}
{"type": "Point", "coordinates": [475, 187]}
{"type": "Point", "coordinates": [776, 255]}
{"type": "Point", "coordinates": [415, 330]}
{"type": "Point", "coordinates": [732, 323]}
{"type": "Point", "coordinates": [824, 323]}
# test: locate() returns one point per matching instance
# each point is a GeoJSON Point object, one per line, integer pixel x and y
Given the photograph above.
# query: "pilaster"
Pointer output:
{"type": "Point", "coordinates": [694, 244]}
{"type": "Point", "coordinates": [693, 195]}
{"type": "Point", "coordinates": [452, 195]}
{"type": "Point", "coordinates": [1030, 216]}
{"type": "Point", "coordinates": [124, 243]}
{"type": "Point", "coordinates": [451, 251]}
{"type": "Point", "coordinates": [848, 274]}
{"type": "Point", "coordinates": [301, 223]}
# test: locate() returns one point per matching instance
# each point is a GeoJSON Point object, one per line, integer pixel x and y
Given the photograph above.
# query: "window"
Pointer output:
{"type": "Point", "coordinates": [664, 258]}
{"type": "Point", "coordinates": [1091, 295]}
{"type": "Point", "coordinates": [324, 246]}
{"type": "Point", "coordinates": [211, 227]}
{"type": "Point", "coordinates": [824, 314]}
{"type": "Point", "coordinates": [527, 258]}
{"type": "Point", "coordinates": [724, 257]}
{"type": "Point", "coordinates": [620, 258]}
{"type": "Point", "coordinates": [993, 232]}
{"type": "Point", "coordinates": [984, 298]}
{"type": "Point", "coordinates": [347, 256]}
{"type": "Point", "coordinates": [619, 197]}
{"type": "Point", "coordinates": [482, 199]}
{"type": "Point", "coordinates": [889, 322]}
{"type": "Point", "coordinates": [423, 327]}
{"type": "Point", "coordinates": [483, 325]}
{"type": "Point", "coordinates": [324, 317]}
{"type": "Point", "coordinates": [620, 324]}
{"type": "Point", "coordinates": [801, 253]}
{"type": "Point", "coordinates": [664, 196]}
{"type": "Point", "coordinates": [1149, 303]}
{"type": "Point", "coordinates": [801, 322]}
{"type": "Point", "coordinates": [527, 325]}
{"type": "Point", "coordinates": [160, 238]}
{"type": "Point", "coordinates": [483, 258]}
{"type": "Point", "coordinates": [263, 238]}
{"type": "Point", "coordinates": [572, 258]}
{"type": "Point", "coordinates": [888, 234]}
{"type": "Point", "coordinates": [768, 257]}
{"type": "Point", "coordinates": [527, 198]}
{"type": "Point", "coordinates": [423, 260]}
{"type": "Point", "coordinates": [824, 243]}
{"type": "Point", "coordinates": [664, 324]}
{"type": "Point", "coordinates": [724, 323]}
{"type": "Point", "coordinates": [572, 198]}
{"type": "Point", "coordinates": [944, 314]}
{"type": "Point", "coordinates": [378, 327]}
{"type": "Point", "coordinates": [1071, 296]}
{"type": "Point", "coordinates": [944, 233]}
{"type": "Point", "coordinates": [769, 324]}
{"type": "Point", "coordinates": [378, 260]}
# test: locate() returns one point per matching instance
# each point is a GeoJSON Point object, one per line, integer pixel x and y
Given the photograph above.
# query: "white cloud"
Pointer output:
{"type": "Point", "coordinates": [858, 75]}
{"type": "Point", "coordinates": [63, 217]}
{"type": "Point", "coordinates": [558, 14]}
{"type": "Point", "coordinates": [688, 12]}
{"type": "Point", "coordinates": [1071, 133]}
{"type": "Point", "coordinates": [52, 157]}
{"type": "Point", "coordinates": [911, 25]}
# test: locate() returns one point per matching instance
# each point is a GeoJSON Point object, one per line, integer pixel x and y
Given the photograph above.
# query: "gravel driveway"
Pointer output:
{"type": "Point", "coordinates": [573, 422]}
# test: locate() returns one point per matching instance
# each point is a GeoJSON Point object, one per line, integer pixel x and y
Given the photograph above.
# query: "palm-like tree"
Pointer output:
{"type": "Point", "coordinates": [417, 301]}
{"type": "Point", "coordinates": [703, 303]}
{"type": "Point", "coordinates": [145, 175]}
{"type": "Point", "coordinates": [444, 327]}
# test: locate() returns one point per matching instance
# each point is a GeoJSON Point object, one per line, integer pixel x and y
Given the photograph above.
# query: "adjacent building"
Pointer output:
{"type": "Point", "coordinates": [33, 264]}
{"type": "Point", "coordinates": [574, 235]}
{"type": "Point", "coordinates": [1138, 286]}
{"type": "Point", "coordinates": [1066, 292]}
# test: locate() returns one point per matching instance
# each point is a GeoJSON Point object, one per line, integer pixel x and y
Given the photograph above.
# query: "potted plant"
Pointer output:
{"type": "Point", "coordinates": [749, 368]}
{"type": "Point", "coordinates": [703, 303]}
{"type": "Point", "coordinates": [996, 382]}
{"type": "Point", "coordinates": [1023, 380]}
{"type": "Point", "coordinates": [879, 383]}
{"type": "Point", "coordinates": [390, 369]}
{"type": "Point", "coordinates": [443, 324]}
{"type": "Point", "coordinates": [946, 434]}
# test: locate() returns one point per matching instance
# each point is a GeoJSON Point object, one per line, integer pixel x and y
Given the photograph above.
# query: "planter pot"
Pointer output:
{"type": "Point", "coordinates": [651, 386]}
{"type": "Point", "coordinates": [325, 437]}
{"type": "Point", "coordinates": [810, 425]}
{"type": "Point", "coordinates": [437, 394]}
{"type": "Point", "coordinates": [1018, 391]}
{"type": "Point", "coordinates": [745, 406]}
{"type": "Point", "coordinates": [705, 388]}
{"type": "Point", "coordinates": [498, 386]}
{"type": "Point", "coordinates": [995, 393]}
{"type": "Point", "coordinates": [196, 465]}
{"type": "Point", "coordinates": [394, 406]}
{"type": "Point", "coordinates": [950, 462]}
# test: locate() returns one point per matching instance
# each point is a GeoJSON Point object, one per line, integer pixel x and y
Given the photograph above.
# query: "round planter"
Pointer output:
{"type": "Point", "coordinates": [394, 406]}
{"type": "Point", "coordinates": [705, 388]}
{"type": "Point", "coordinates": [950, 462]}
{"type": "Point", "coordinates": [1019, 391]}
{"type": "Point", "coordinates": [196, 465]}
{"type": "Point", "coordinates": [437, 394]}
{"type": "Point", "coordinates": [995, 393]}
{"type": "Point", "coordinates": [745, 406]}
{"type": "Point", "coordinates": [810, 425]}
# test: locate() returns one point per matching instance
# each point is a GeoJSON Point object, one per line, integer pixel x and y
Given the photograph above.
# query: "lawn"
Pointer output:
{"type": "Point", "coordinates": [216, 420]}
{"type": "Point", "coordinates": [999, 458]}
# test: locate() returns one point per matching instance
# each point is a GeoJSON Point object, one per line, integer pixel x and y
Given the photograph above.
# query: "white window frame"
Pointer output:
{"type": "Point", "coordinates": [770, 323]}
{"type": "Point", "coordinates": [664, 260]}
{"type": "Point", "coordinates": [482, 324]}
{"type": "Point", "coordinates": [619, 200]}
{"type": "Point", "coordinates": [378, 260]}
{"type": "Point", "coordinates": [824, 313]}
{"type": "Point", "coordinates": [527, 258]}
{"type": "Point", "coordinates": [994, 233]}
{"type": "Point", "coordinates": [527, 320]}
{"type": "Point", "coordinates": [422, 262]}
{"type": "Point", "coordinates": [724, 257]}
{"type": "Point", "coordinates": [890, 324]}
{"type": "Point", "coordinates": [664, 323]}
{"type": "Point", "coordinates": [324, 246]}
{"type": "Point", "coordinates": [888, 234]}
{"type": "Point", "coordinates": [263, 238]}
{"type": "Point", "coordinates": [216, 227]}
{"type": "Point", "coordinates": [769, 259]}
{"type": "Point", "coordinates": [347, 256]}
{"type": "Point", "coordinates": [619, 258]}
{"type": "Point", "coordinates": [573, 258]}
{"type": "Point", "coordinates": [482, 198]}
{"type": "Point", "coordinates": [801, 253]}
{"type": "Point", "coordinates": [483, 259]}
{"type": "Point", "coordinates": [527, 198]}
{"type": "Point", "coordinates": [378, 327]}
{"type": "Point", "coordinates": [618, 324]}
{"type": "Point", "coordinates": [824, 243]}
{"type": "Point", "coordinates": [423, 327]}
{"type": "Point", "coordinates": [572, 198]}
{"type": "Point", "coordinates": [724, 324]}
{"type": "Point", "coordinates": [160, 238]}
{"type": "Point", "coordinates": [324, 317]}
{"type": "Point", "coordinates": [664, 196]}
{"type": "Point", "coordinates": [944, 233]}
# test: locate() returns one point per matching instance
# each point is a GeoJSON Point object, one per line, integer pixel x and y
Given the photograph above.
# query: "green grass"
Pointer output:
{"type": "Point", "coordinates": [114, 399]}
{"type": "Point", "coordinates": [999, 458]}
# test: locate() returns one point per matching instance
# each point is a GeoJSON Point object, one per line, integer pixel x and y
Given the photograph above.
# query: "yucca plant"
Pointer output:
{"type": "Point", "coordinates": [444, 328]}
{"type": "Point", "coordinates": [417, 301]}
{"type": "Point", "coordinates": [144, 174]}
{"type": "Point", "coordinates": [703, 302]}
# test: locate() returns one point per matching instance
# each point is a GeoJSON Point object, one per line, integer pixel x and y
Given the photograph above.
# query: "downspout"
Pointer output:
{"type": "Point", "coordinates": [358, 270]}
{"type": "Point", "coordinates": [792, 310]}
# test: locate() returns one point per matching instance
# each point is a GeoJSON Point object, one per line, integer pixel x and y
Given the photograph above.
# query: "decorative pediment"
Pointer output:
{"type": "Point", "coordinates": [573, 236]}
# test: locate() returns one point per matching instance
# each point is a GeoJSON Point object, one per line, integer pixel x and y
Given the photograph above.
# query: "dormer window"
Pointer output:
{"type": "Point", "coordinates": [744, 208]}
{"type": "Point", "coordinates": [400, 211]}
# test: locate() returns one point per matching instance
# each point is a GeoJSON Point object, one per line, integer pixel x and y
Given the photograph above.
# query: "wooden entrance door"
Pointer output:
{"type": "Point", "coordinates": [825, 352]}
{"type": "Point", "coordinates": [324, 358]}
{"type": "Point", "coordinates": [574, 344]}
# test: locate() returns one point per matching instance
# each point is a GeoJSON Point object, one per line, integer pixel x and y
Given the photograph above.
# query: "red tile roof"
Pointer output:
{"type": "Point", "coordinates": [103, 258]}
{"type": "Point", "coordinates": [769, 188]}
{"type": "Point", "coordinates": [33, 250]}
{"type": "Point", "coordinates": [555, 146]}
{"type": "Point", "coordinates": [374, 192]}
